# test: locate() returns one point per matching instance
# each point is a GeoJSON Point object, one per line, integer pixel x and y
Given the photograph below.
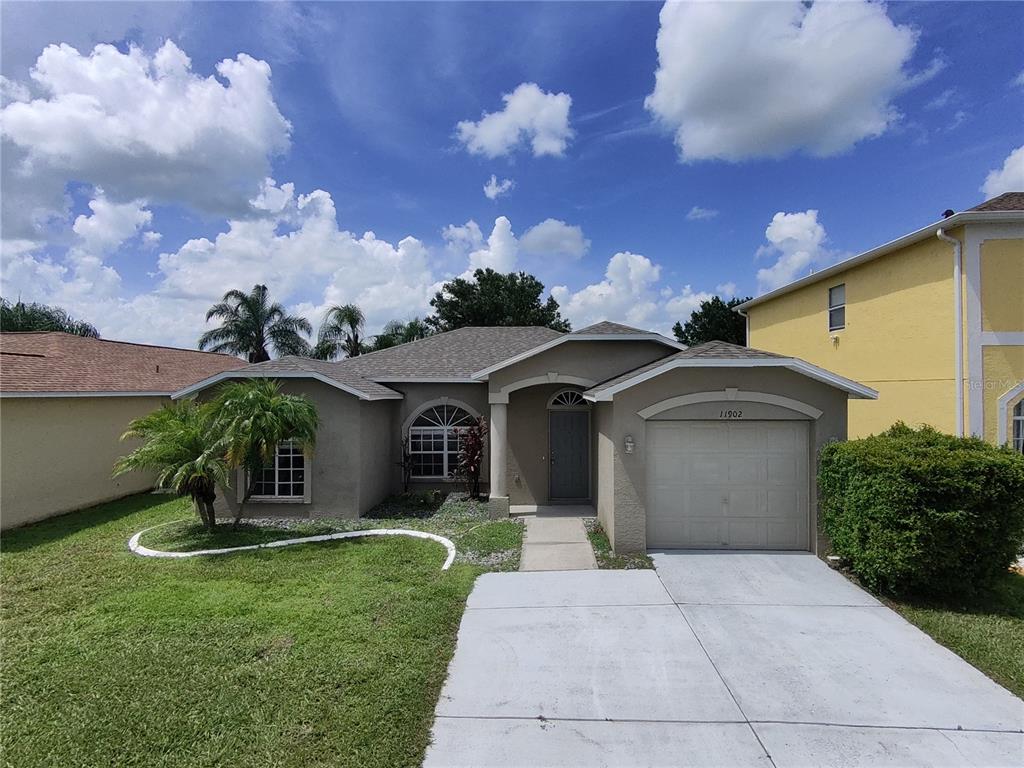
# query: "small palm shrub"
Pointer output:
{"type": "Point", "coordinates": [916, 511]}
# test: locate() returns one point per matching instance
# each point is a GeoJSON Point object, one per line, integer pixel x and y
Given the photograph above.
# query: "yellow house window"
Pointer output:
{"type": "Point", "coordinates": [837, 307]}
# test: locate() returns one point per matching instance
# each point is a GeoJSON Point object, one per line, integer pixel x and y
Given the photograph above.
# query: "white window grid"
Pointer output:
{"type": "Point", "coordinates": [1018, 427]}
{"type": "Point", "coordinates": [435, 441]}
{"type": "Point", "coordinates": [286, 477]}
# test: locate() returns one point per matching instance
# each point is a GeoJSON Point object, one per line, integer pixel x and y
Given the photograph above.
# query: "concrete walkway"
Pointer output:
{"type": "Point", "coordinates": [556, 544]}
{"type": "Point", "coordinates": [763, 659]}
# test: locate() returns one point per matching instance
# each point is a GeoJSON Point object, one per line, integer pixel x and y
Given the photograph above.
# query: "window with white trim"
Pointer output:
{"type": "Point", "coordinates": [1018, 427]}
{"type": "Point", "coordinates": [434, 441]}
{"type": "Point", "coordinates": [286, 477]}
{"type": "Point", "coordinates": [837, 307]}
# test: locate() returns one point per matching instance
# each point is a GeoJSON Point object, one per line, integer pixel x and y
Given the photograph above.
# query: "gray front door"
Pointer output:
{"type": "Point", "coordinates": [570, 454]}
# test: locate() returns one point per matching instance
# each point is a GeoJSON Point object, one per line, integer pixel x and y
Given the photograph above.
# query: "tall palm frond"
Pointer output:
{"type": "Point", "coordinates": [254, 417]}
{"type": "Point", "coordinates": [344, 323]}
{"type": "Point", "coordinates": [250, 323]}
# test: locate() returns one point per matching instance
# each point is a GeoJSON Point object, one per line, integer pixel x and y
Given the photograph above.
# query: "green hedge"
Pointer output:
{"type": "Point", "coordinates": [916, 511]}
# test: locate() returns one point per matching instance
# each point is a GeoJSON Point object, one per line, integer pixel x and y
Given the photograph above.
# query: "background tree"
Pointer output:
{"type": "Point", "coordinates": [341, 333]}
{"type": "Point", "coordinates": [492, 298]}
{"type": "Point", "coordinates": [254, 416]}
{"type": "Point", "coordinates": [715, 320]}
{"type": "Point", "coordinates": [178, 442]}
{"type": "Point", "coordinates": [251, 322]}
{"type": "Point", "coordinates": [396, 332]}
{"type": "Point", "coordinates": [20, 316]}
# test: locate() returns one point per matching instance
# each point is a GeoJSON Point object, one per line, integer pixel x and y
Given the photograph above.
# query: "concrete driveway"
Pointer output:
{"type": "Point", "coordinates": [714, 659]}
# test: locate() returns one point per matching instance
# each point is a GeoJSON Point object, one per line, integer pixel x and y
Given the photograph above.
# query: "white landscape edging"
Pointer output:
{"type": "Point", "coordinates": [138, 549]}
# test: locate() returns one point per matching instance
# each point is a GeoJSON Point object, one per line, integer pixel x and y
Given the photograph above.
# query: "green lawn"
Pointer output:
{"type": "Point", "coordinates": [316, 655]}
{"type": "Point", "coordinates": [987, 631]}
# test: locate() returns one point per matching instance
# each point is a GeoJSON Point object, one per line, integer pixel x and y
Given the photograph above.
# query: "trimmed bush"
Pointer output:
{"type": "Point", "coordinates": [916, 511]}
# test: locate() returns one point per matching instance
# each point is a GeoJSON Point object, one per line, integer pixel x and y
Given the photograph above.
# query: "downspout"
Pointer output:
{"type": "Point", "coordinates": [958, 318]}
{"type": "Point", "coordinates": [746, 317]}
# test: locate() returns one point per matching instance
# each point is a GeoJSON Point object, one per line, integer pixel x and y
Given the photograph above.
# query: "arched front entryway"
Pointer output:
{"type": "Point", "coordinates": [568, 447]}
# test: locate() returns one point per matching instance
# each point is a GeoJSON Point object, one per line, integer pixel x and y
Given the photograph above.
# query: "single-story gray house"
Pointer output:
{"type": "Point", "coordinates": [711, 446]}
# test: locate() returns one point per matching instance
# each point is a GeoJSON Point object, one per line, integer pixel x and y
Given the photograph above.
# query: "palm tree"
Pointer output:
{"type": "Point", "coordinates": [342, 328]}
{"type": "Point", "coordinates": [251, 322]}
{"type": "Point", "coordinates": [20, 316]}
{"type": "Point", "coordinates": [254, 416]}
{"type": "Point", "coordinates": [178, 444]}
{"type": "Point", "coordinates": [396, 332]}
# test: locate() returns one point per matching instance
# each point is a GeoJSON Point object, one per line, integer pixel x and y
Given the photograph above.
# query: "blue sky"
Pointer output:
{"type": "Point", "coordinates": [776, 139]}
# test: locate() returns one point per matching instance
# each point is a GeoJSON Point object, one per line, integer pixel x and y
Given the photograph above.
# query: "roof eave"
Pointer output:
{"type": "Point", "coordinates": [956, 220]}
{"type": "Point", "coordinates": [224, 376]}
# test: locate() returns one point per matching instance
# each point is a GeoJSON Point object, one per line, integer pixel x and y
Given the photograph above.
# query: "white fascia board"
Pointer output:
{"type": "Point", "coordinates": [656, 337]}
{"type": "Point", "coordinates": [854, 388]}
{"type": "Point", "coordinates": [216, 379]}
{"type": "Point", "coordinates": [956, 220]}
{"type": "Point", "coordinates": [86, 394]}
{"type": "Point", "coordinates": [424, 380]}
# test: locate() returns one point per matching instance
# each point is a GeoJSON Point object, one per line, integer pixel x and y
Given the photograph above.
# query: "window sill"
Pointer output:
{"type": "Point", "coordinates": [278, 500]}
{"type": "Point", "coordinates": [438, 479]}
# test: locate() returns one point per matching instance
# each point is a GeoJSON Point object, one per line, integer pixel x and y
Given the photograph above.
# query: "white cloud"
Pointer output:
{"type": "Point", "coordinates": [139, 126]}
{"type": "Point", "coordinates": [494, 189]}
{"type": "Point", "coordinates": [630, 293]}
{"type": "Point", "coordinates": [110, 223]}
{"type": "Point", "coordinates": [530, 114]}
{"type": "Point", "coordinates": [701, 214]}
{"type": "Point", "coordinates": [741, 80]}
{"type": "Point", "coordinates": [1019, 79]}
{"type": "Point", "coordinates": [797, 240]}
{"type": "Point", "coordinates": [727, 290]}
{"type": "Point", "coordinates": [1009, 178]}
{"type": "Point", "coordinates": [499, 252]}
{"type": "Point", "coordinates": [151, 239]}
{"type": "Point", "coordinates": [301, 252]}
{"type": "Point", "coordinates": [944, 99]}
{"type": "Point", "coordinates": [553, 237]}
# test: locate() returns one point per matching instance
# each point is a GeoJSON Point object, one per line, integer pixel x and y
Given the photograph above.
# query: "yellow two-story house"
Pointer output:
{"type": "Point", "coordinates": [933, 320]}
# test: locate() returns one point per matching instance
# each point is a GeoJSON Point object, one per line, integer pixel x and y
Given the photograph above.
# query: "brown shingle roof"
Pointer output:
{"type": "Point", "coordinates": [1008, 201]}
{"type": "Point", "coordinates": [60, 362]}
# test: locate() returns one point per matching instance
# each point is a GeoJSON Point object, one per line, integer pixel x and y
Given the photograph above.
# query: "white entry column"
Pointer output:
{"type": "Point", "coordinates": [498, 448]}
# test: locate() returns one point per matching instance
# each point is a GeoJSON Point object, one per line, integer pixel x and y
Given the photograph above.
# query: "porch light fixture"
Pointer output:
{"type": "Point", "coordinates": [628, 443]}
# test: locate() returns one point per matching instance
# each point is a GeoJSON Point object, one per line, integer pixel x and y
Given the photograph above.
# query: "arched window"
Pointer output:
{"type": "Point", "coordinates": [1018, 427]}
{"type": "Point", "coordinates": [568, 400]}
{"type": "Point", "coordinates": [434, 441]}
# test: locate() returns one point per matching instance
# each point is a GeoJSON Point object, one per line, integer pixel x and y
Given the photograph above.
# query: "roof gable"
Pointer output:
{"type": "Point", "coordinates": [720, 354]}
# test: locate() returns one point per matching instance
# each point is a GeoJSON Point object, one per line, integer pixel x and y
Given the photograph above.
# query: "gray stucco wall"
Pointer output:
{"type": "Point", "coordinates": [593, 360]}
{"type": "Point", "coordinates": [379, 472]}
{"type": "Point", "coordinates": [605, 459]}
{"type": "Point", "coordinates": [628, 513]}
{"type": "Point", "coordinates": [337, 463]}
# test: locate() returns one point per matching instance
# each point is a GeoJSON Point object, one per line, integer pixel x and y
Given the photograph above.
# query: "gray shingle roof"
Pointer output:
{"type": "Point", "coordinates": [453, 355]}
{"type": "Point", "coordinates": [711, 350]}
{"type": "Point", "coordinates": [607, 327]}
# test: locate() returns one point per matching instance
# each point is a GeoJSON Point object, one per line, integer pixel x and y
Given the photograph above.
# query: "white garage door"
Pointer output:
{"type": "Point", "coordinates": [731, 485]}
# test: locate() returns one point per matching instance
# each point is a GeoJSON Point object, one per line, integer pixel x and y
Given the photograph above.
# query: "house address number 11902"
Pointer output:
{"type": "Point", "coordinates": [730, 414]}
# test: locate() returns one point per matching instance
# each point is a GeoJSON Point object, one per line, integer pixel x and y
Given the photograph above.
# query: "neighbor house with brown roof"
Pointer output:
{"type": "Point", "coordinates": [65, 400]}
{"type": "Point", "coordinates": [711, 446]}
